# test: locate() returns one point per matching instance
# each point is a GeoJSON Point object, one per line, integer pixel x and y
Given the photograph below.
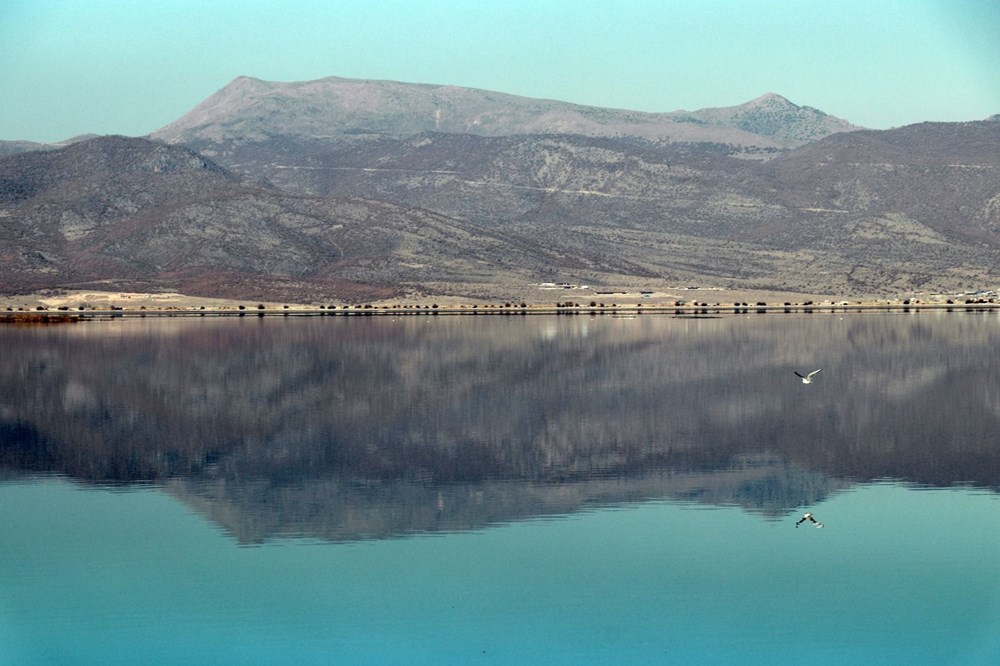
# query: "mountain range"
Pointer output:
{"type": "Point", "coordinates": [252, 109]}
{"type": "Point", "coordinates": [357, 190]}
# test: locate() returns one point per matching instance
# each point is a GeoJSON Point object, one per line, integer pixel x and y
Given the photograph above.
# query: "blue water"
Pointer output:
{"type": "Point", "coordinates": [897, 575]}
{"type": "Point", "coordinates": [501, 490]}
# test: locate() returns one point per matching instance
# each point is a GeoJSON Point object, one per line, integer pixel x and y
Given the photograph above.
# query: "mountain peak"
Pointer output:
{"type": "Point", "coordinates": [771, 100]}
{"type": "Point", "coordinates": [774, 116]}
{"type": "Point", "coordinates": [251, 109]}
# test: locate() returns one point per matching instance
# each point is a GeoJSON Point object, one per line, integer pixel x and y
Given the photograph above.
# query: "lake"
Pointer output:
{"type": "Point", "coordinates": [501, 490]}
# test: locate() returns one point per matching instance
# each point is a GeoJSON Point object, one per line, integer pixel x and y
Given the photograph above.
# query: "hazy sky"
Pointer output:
{"type": "Point", "coordinates": [70, 67]}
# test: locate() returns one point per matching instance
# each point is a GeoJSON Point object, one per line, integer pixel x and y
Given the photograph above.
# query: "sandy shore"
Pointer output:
{"type": "Point", "coordinates": [542, 300]}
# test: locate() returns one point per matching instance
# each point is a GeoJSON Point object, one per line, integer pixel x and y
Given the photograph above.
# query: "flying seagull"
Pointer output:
{"type": "Point", "coordinates": [807, 379]}
{"type": "Point", "coordinates": [808, 516]}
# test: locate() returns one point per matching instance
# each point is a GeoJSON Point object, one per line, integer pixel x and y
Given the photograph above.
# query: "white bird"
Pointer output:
{"type": "Point", "coordinates": [808, 516]}
{"type": "Point", "coordinates": [807, 379]}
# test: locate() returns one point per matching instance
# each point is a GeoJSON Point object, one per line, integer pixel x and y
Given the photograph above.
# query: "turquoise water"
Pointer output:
{"type": "Point", "coordinates": [898, 575]}
{"type": "Point", "coordinates": [501, 490]}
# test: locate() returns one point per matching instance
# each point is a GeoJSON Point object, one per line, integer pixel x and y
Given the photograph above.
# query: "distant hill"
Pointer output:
{"type": "Point", "coordinates": [772, 116]}
{"type": "Point", "coordinates": [130, 213]}
{"type": "Point", "coordinates": [12, 147]}
{"type": "Point", "coordinates": [913, 209]}
{"type": "Point", "coordinates": [936, 181]}
{"type": "Point", "coordinates": [251, 109]}
{"type": "Point", "coordinates": [352, 190]}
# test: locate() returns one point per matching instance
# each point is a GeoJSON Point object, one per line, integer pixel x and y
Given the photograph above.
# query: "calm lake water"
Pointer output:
{"type": "Point", "coordinates": [501, 489]}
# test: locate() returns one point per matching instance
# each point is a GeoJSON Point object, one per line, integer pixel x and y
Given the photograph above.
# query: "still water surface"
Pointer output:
{"type": "Point", "coordinates": [559, 489]}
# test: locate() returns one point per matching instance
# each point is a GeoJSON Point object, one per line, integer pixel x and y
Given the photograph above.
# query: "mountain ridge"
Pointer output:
{"type": "Point", "coordinates": [122, 212]}
{"type": "Point", "coordinates": [249, 108]}
{"type": "Point", "coordinates": [351, 190]}
{"type": "Point", "coordinates": [864, 213]}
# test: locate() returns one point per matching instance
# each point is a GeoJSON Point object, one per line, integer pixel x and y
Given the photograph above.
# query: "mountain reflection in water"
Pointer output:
{"type": "Point", "coordinates": [343, 428]}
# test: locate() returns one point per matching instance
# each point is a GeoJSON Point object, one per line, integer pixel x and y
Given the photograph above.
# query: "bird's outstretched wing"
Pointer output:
{"type": "Point", "coordinates": [807, 379]}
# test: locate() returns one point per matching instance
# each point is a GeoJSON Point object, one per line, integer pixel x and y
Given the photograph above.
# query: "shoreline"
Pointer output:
{"type": "Point", "coordinates": [49, 307]}
{"type": "Point", "coordinates": [60, 315]}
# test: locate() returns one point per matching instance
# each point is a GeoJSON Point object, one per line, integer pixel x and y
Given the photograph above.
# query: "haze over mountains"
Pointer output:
{"type": "Point", "coordinates": [353, 190]}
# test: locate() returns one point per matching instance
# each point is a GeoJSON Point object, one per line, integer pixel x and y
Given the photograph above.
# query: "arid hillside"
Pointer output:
{"type": "Point", "coordinates": [350, 191]}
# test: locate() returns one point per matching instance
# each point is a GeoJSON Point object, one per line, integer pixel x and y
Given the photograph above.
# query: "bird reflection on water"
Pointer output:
{"type": "Point", "coordinates": [812, 519]}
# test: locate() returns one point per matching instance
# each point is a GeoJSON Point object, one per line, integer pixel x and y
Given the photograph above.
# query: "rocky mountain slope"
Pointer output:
{"type": "Point", "coordinates": [348, 190]}
{"type": "Point", "coordinates": [127, 213]}
{"type": "Point", "coordinates": [911, 209]}
{"type": "Point", "coordinates": [251, 109]}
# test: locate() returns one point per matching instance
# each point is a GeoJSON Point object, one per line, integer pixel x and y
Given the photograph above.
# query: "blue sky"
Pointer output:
{"type": "Point", "coordinates": [69, 67]}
